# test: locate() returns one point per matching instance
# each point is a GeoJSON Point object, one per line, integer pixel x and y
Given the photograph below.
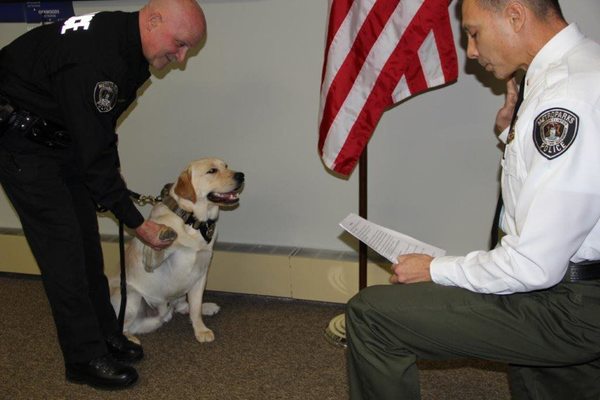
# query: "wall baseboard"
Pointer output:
{"type": "Point", "coordinates": [297, 273]}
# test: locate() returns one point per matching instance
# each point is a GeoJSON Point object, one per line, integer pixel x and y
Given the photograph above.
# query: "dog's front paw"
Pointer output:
{"type": "Point", "coordinates": [205, 336]}
{"type": "Point", "coordinates": [210, 308]}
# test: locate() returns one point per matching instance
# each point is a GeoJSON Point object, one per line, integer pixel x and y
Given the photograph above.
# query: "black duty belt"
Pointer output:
{"type": "Point", "coordinates": [583, 271]}
{"type": "Point", "coordinates": [32, 126]}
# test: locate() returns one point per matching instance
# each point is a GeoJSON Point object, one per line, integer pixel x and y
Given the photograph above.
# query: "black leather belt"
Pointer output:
{"type": "Point", "coordinates": [583, 271]}
{"type": "Point", "coordinates": [32, 126]}
{"type": "Point", "coordinates": [39, 130]}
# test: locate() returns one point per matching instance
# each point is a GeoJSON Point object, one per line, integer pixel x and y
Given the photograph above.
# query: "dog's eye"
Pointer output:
{"type": "Point", "coordinates": [212, 171]}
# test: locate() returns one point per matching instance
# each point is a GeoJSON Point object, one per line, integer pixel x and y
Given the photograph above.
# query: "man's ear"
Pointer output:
{"type": "Point", "coordinates": [516, 14]}
{"type": "Point", "coordinates": [153, 20]}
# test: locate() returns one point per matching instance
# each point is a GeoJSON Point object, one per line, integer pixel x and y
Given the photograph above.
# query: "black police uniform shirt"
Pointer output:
{"type": "Point", "coordinates": [82, 74]}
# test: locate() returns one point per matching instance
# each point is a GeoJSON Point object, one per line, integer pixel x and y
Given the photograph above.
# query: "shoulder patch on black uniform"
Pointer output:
{"type": "Point", "coordinates": [105, 96]}
{"type": "Point", "coordinates": [554, 131]}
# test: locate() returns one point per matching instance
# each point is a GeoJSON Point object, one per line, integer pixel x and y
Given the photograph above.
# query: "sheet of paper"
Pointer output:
{"type": "Point", "coordinates": [384, 241]}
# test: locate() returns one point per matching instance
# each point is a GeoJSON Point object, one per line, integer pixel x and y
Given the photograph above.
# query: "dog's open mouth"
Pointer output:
{"type": "Point", "coordinates": [224, 198]}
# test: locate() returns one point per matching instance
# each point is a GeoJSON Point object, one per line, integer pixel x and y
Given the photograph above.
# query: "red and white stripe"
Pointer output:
{"type": "Point", "coordinates": [378, 52]}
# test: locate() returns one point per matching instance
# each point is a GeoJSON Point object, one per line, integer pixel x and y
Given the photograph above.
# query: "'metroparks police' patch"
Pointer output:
{"type": "Point", "coordinates": [554, 131]}
{"type": "Point", "coordinates": [105, 96]}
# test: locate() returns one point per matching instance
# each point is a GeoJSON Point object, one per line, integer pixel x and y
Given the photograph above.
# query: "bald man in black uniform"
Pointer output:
{"type": "Point", "coordinates": [62, 88]}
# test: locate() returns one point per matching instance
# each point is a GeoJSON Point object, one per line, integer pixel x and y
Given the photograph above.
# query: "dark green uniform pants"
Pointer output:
{"type": "Point", "coordinates": [550, 338]}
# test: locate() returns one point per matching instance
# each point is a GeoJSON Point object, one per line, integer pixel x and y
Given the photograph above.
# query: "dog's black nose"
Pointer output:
{"type": "Point", "coordinates": [239, 177]}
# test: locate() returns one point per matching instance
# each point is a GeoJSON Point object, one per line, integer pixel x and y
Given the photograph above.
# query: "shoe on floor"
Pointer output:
{"type": "Point", "coordinates": [123, 349]}
{"type": "Point", "coordinates": [103, 373]}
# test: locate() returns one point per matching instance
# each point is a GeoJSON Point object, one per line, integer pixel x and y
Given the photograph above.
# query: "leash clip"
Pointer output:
{"type": "Point", "coordinates": [145, 199]}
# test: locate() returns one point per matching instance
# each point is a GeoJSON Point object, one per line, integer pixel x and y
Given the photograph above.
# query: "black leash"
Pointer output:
{"type": "Point", "coordinates": [140, 200]}
{"type": "Point", "coordinates": [121, 317]}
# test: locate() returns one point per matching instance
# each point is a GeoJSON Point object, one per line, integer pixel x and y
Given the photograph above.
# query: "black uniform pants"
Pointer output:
{"type": "Point", "coordinates": [59, 220]}
{"type": "Point", "coordinates": [550, 338]}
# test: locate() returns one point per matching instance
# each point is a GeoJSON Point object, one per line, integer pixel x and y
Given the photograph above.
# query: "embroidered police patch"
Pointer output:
{"type": "Point", "coordinates": [105, 96]}
{"type": "Point", "coordinates": [554, 131]}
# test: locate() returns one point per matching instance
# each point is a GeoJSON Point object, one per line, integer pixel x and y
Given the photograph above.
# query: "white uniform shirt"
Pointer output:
{"type": "Point", "coordinates": [550, 178]}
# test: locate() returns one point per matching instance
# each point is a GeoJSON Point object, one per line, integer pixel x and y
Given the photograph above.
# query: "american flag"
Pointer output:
{"type": "Point", "coordinates": [378, 53]}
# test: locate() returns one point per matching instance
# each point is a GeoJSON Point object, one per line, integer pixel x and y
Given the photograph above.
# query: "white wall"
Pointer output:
{"type": "Point", "coordinates": [251, 96]}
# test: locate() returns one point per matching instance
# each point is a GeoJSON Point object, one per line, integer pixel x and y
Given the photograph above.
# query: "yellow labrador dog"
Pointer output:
{"type": "Point", "coordinates": [173, 279]}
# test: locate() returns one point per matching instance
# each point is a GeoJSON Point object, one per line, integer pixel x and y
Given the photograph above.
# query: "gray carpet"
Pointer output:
{"type": "Point", "coordinates": [265, 348]}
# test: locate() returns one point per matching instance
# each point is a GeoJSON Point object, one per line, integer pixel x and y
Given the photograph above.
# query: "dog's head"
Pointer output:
{"type": "Point", "coordinates": [209, 179]}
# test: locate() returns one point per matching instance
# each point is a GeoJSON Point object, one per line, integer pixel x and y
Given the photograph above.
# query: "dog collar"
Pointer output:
{"type": "Point", "coordinates": [206, 228]}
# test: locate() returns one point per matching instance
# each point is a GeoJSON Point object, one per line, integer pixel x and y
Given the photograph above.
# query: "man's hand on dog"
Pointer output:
{"type": "Point", "coordinates": [411, 268]}
{"type": "Point", "coordinates": [156, 236]}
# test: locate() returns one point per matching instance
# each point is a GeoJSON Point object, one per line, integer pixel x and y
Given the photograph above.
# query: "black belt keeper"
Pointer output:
{"type": "Point", "coordinates": [583, 271]}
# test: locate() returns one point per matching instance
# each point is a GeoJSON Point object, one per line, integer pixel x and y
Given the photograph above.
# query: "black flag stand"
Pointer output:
{"type": "Point", "coordinates": [362, 211]}
{"type": "Point", "coordinates": [336, 330]}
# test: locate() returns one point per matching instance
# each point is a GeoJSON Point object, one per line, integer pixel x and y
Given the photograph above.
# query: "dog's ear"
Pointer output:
{"type": "Point", "coordinates": [184, 187]}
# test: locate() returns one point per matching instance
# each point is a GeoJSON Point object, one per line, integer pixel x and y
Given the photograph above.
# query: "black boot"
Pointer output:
{"type": "Point", "coordinates": [103, 373]}
{"type": "Point", "coordinates": [123, 349]}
